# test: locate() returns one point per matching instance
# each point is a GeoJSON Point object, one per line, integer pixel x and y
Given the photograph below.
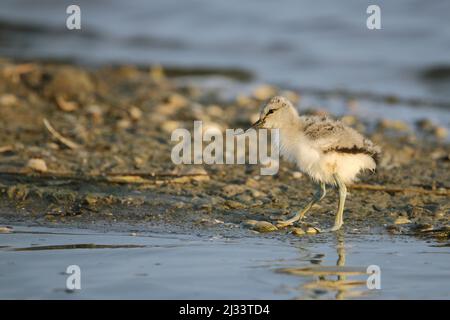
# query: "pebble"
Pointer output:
{"type": "Point", "coordinates": [214, 111]}
{"type": "Point", "coordinates": [234, 204]}
{"type": "Point", "coordinates": [8, 100]}
{"type": "Point", "coordinates": [393, 124]}
{"type": "Point", "coordinates": [264, 226]}
{"type": "Point", "coordinates": [440, 132]}
{"type": "Point", "coordinates": [297, 175]}
{"type": "Point", "coordinates": [231, 190]}
{"type": "Point", "coordinates": [402, 220]}
{"type": "Point", "coordinates": [311, 230]}
{"type": "Point", "coordinates": [37, 165]}
{"type": "Point", "coordinates": [298, 231]}
{"type": "Point", "coordinates": [249, 223]}
{"type": "Point", "coordinates": [5, 229]}
{"type": "Point", "coordinates": [252, 183]}
{"type": "Point", "coordinates": [243, 100]}
{"type": "Point", "coordinates": [123, 124]}
{"type": "Point", "coordinates": [176, 101]}
{"type": "Point", "coordinates": [170, 125]}
{"type": "Point", "coordinates": [7, 148]}
{"type": "Point", "coordinates": [135, 113]}
{"type": "Point", "coordinates": [95, 112]}
{"type": "Point", "coordinates": [91, 200]}
{"type": "Point", "coordinates": [64, 105]}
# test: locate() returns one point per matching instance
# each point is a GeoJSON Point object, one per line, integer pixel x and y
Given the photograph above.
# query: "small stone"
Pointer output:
{"type": "Point", "coordinates": [231, 190]}
{"type": "Point", "coordinates": [311, 230]}
{"type": "Point", "coordinates": [264, 226]}
{"type": "Point", "coordinates": [177, 101]}
{"type": "Point", "coordinates": [252, 183]}
{"type": "Point", "coordinates": [66, 105]}
{"type": "Point", "coordinates": [5, 229]}
{"type": "Point", "coordinates": [8, 100]}
{"type": "Point", "coordinates": [245, 198]}
{"type": "Point", "coordinates": [397, 125]}
{"type": "Point", "coordinates": [37, 165]}
{"type": "Point", "coordinates": [7, 148]}
{"type": "Point", "coordinates": [135, 113]}
{"type": "Point", "coordinates": [257, 194]}
{"type": "Point", "coordinates": [243, 100]}
{"type": "Point", "coordinates": [298, 231]}
{"type": "Point", "coordinates": [91, 200]}
{"type": "Point", "coordinates": [214, 111]}
{"type": "Point", "coordinates": [297, 174]}
{"type": "Point", "coordinates": [138, 161]}
{"type": "Point", "coordinates": [249, 223]}
{"type": "Point", "coordinates": [189, 170]}
{"type": "Point", "coordinates": [234, 204]}
{"type": "Point", "coordinates": [440, 132]}
{"type": "Point", "coordinates": [170, 125]}
{"type": "Point", "coordinates": [94, 110]}
{"type": "Point", "coordinates": [200, 178]}
{"type": "Point", "coordinates": [402, 220]}
{"type": "Point", "coordinates": [123, 124]}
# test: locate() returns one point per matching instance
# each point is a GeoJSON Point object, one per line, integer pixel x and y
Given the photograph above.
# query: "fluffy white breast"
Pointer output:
{"type": "Point", "coordinates": [321, 166]}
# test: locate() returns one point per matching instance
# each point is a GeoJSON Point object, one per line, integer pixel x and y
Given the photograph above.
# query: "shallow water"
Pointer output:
{"type": "Point", "coordinates": [320, 44]}
{"type": "Point", "coordinates": [161, 265]}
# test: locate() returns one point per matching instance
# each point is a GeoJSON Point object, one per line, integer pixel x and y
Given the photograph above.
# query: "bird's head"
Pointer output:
{"type": "Point", "coordinates": [276, 113]}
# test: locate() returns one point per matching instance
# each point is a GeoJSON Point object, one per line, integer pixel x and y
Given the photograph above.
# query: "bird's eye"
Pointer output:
{"type": "Point", "coordinates": [270, 111]}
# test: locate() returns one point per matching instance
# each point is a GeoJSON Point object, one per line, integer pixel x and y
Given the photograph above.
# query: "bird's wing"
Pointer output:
{"type": "Point", "coordinates": [332, 135]}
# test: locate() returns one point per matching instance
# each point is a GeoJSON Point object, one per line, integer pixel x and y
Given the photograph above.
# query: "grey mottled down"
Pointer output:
{"type": "Point", "coordinates": [333, 135]}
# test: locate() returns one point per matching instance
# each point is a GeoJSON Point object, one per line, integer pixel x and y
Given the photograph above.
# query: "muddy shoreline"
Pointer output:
{"type": "Point", "coordinates": [118, 171]}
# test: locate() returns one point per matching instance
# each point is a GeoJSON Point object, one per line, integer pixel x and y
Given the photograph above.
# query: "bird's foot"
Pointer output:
{"type": "Point", "coordinates": [336, 227]}
{"type": "Point", "coordinates": [283, 223]}
{"type": "Point", "coordinates": [286, 223]}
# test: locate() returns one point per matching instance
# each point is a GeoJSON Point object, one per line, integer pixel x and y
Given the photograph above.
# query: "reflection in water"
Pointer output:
{"type": "Point", "coordinates": [337, 281]}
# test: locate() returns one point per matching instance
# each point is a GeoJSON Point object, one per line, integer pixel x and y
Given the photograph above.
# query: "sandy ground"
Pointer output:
{"type": "Point", "coordinates": [103, 155]}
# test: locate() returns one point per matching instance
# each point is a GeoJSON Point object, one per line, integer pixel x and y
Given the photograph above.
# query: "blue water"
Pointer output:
{"type": "Point", "coordinates": [33, 264]}
{"type": "Point", "coordinates": [322, 44]}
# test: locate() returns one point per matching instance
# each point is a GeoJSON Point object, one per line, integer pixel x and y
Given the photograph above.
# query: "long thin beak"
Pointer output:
{"type": "Point", "coordinates": [258, 124]}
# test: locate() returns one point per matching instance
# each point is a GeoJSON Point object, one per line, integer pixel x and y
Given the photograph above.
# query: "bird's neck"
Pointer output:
{"type": "Point", "coordinates": [291, 128]}
{"type": "Point", "coordinates": [291, 137]}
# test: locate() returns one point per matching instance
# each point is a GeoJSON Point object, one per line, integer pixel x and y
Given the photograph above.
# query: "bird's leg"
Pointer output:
{"type": "Point", "coordinates": [339, 220]}
{"type": "Point", "coordinates": [319, 195]}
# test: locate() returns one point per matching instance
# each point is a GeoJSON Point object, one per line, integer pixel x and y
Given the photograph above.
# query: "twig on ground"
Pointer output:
{"type": "Point", "coordinates": [70, 144]}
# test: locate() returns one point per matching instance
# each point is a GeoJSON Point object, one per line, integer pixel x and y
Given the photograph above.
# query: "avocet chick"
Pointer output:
{"type": "Point", "coordinates": [328, 151]}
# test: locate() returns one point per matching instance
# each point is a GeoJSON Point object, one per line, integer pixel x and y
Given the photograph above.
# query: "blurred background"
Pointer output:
{"type": "Point", "coordinates": [320, 44]}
